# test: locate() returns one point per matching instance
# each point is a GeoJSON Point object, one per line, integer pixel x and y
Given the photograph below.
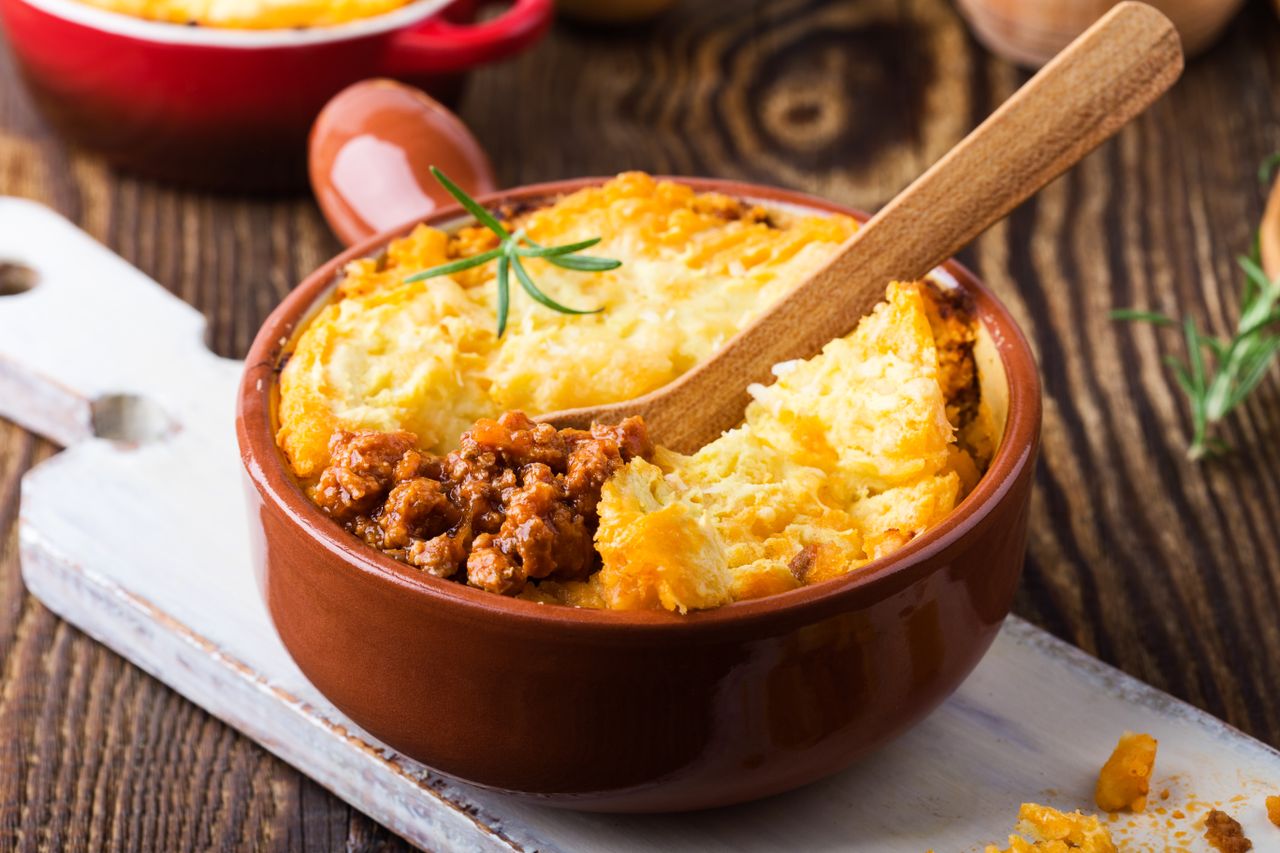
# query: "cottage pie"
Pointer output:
{"type": "Point", "coordinates": [251, 14]}
{"type": "Point", "coordinates": [406, 416]}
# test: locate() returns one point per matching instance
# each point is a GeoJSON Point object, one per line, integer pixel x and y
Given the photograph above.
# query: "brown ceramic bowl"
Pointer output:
{"type": "Point", "coordinates": [638, 711]}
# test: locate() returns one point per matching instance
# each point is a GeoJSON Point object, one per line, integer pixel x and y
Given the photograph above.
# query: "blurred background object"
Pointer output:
{"type": "Point", "coordinates": [614, 12]}
{"type": "Point", "coordinates": [230, 109]}
{"type": "Point", "coordinates": [371, 150]}
{"type": "Point", "coordinates": [1269, 232]}
{"type": "Point", "coordinates": [1030, 32]}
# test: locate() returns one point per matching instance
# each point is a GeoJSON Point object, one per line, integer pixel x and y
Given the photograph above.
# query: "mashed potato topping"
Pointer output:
{"type": "Point", "coordinates": [843, 459]}
{"type": "Point", "coordinates": [251, 14]}
{"type": "Point", "coordinates": [425, 357]}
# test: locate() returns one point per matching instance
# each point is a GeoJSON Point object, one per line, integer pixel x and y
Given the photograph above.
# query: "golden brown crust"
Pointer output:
{"type": "Point", "coordinates": [843, 460]}
{"type": "Point", "coordinates": [846, 459]}
{"type": "Point", "coordinates": [868, 450]}
{"type": "Point", "coordinates": [424, 357]}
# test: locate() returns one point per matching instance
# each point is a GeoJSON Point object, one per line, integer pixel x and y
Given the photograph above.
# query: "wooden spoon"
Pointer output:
{"type": "Point", "coordinates": [1110, 74]}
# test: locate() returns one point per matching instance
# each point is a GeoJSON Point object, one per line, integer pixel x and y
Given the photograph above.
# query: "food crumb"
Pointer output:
{"type": "Point", "coordinates": [1125, 779]}
{"type": "Point", "coordinates": [1225, 833]}
{"type": "Point", "coordinates": [1273, 809]}
{"type": "Point", "coordinates": [1048, 830]}
{"type": "Point", "coordinates": [1164, 795]}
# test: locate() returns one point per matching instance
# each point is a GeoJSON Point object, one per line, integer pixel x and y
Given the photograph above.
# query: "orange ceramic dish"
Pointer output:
{"type": "Point", "coordinates": [637, 711]}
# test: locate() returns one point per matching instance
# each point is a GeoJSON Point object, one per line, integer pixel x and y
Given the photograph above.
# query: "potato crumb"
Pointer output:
{"type": "Point", "coordinates": [1125, 779]}
{"type": "Point", "coordinates": [1047, 830]}
{"type": "Point", "coordinates": [1225, 833]}
{"type": "Point", "coordinates": [1273, 810]}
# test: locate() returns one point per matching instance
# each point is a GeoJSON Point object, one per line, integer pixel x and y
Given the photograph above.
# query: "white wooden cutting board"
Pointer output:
{"type": "Point", "coordinates": [100, 358]}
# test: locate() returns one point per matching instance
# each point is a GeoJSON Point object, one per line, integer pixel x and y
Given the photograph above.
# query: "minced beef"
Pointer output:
{"type": "Point", "coordinates": [1225, 833]}
{"type": "Point", "coordinates": [515, 502]}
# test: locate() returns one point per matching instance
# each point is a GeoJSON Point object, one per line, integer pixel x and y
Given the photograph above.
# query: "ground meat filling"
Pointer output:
{"type": "Point", "coordinates": [1225, 833]}
{"type": "Point", "coordinates": [952, 319]}
{"type": "Point", "coordinates": [515, 502]}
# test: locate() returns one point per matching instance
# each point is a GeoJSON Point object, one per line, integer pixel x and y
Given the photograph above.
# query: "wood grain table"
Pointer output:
{"type": "Point", "coordinates": [1167, 569]}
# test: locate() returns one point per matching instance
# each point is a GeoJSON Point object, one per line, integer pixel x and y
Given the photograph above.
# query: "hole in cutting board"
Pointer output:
{"type": "Point", "coordinates": [16, 278]}
{"type": "Point", "coordinates": [129, 418]}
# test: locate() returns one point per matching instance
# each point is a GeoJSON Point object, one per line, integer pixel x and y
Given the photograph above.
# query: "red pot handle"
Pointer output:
{"type": "Point", "coordinates": [437, 46]}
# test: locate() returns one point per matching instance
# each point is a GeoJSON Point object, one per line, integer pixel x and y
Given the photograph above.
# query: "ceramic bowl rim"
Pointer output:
{"type": "Point", "coordinates": [269, 472]}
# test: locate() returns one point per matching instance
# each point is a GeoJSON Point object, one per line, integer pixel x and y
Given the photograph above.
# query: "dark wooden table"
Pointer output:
{"type": "Point", "coordinates": [1167, 569]}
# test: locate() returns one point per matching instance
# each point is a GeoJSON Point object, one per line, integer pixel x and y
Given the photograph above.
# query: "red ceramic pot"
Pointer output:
{"type": "Point", "coordinates": [636, 711]}
{"type": "Point", "coordinates": [230, 109]}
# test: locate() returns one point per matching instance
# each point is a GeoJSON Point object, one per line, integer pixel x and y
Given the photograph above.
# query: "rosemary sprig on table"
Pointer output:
{"type": "Point", "coordinates": [1220, 373]}
{"type": "Point", "coordinates": [511, 250]}
{"type": "Point", "coordinates": [1267, 168]}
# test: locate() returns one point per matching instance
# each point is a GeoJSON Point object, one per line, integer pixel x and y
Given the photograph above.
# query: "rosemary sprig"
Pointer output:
{"type": "Point", "coordinates": [1220, 373]}
{"type": "Point", "coordinates": [1268, 167]}
{"type": "Point", "coordinates": [511, 249]}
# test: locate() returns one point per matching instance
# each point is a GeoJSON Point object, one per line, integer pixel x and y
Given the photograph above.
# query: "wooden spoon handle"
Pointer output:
{"type": "Point", "coordinates": [1110, 74]}
{"type": "Point", "coordinates": [1098, 84]}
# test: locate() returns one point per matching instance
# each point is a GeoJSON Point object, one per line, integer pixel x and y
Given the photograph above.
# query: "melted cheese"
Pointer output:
{"type": "Point", "coordinates": [251, 14]}
{"type": "Point", "coordinates": [842, 460]}
{"type": "Point", "coordinates": [424, 357]}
